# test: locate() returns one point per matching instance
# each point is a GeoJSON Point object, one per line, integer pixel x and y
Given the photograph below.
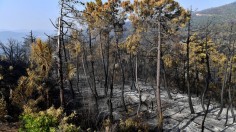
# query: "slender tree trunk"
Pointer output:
{"type": "Point", "coordinates": [232, 108]}
{"type": "Point", "coordinates": [108, 64]}
{"type": "Point", "coordinates": [85, 74]}
{"type": "Point", "coordinates": [123, 74]}
{"type": "Point", "coordinates": [203, 121]}
{"type": "Point", "coordinates": [227, 116]}
{"type": "Point", "coordinates": [165, 80]}
{"type": "Point", "coordinates": [123, 87]}
{"type": "Point", "coordinates": [231, 104]}
{"type": "Point", "coordinates": [77, 73]}
{"type": "Point", "coordinates": [222, 91]}
{"type": "Point", "coordinates": [104, 67]}
{"type": "Point", "coordinates": [197, 82]}
{"type": "Point", "coordinates": [145, 71]}
{"type": "Point", "coordinates": [48, 98]}
{"type": "Point", "coordinates": [177, 77]}
{"type": "Point", "coordinates": [231, 76]}
{"type": "Point", "coordinates": [132, 73]}
{"type": "Point", "coordinates": [59, 61]}
{"type": "Point", "coordinates": [137, 85]}
{"type": "Point", "coordinates": [158, 95]}
{"type": "Point", "coordinates": [92, 66]}
{"type": "Point", "coordinates": [229, 92]}
{"type": "Point", "coordinates": [111, 92]}
{"type": "Point", "coordinates": [188, 79]}
{"type": "Point", "coordinates": [184, 78]}
{"type": "Point", "coordinates": [208, 76]}
{"type": "Point", "coordinates": [66, 61]}
{"type": "Point", "coordinates": [166, 84]}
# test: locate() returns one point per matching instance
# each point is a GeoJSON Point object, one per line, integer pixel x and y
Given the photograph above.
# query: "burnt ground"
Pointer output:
{"type": "Point", "coordinates": [9, 127]}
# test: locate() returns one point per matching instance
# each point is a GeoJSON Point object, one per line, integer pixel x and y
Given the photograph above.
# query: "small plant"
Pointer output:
{"type": "Point", "coordinates": [106, 125]}
{"type": "Point", "coordinates": [3, 108]}
{"type": "Point", "coordinates": [133, 125]}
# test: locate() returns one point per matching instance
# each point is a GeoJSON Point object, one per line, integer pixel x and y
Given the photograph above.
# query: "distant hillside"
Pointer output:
{"type": "Point", "coordinates": [19, 35]}
{"type": "Point", "coordinates": [225, 13]}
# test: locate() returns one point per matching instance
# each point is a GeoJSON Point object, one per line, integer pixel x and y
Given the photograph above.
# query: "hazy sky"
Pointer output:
{"type": "Point", "coordinates": [27, 14]}
{"type": "Point", "coordinates": [35, 14]}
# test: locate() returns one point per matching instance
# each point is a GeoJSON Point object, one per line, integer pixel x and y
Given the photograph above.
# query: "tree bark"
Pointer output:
{"type": "Point", "coordinates": [158, 95]}
{"type": "Point", "coordinates": [59, 60]}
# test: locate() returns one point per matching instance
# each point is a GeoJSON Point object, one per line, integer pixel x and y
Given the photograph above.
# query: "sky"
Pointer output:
{"type": "Point", "coordinates": [16, 15]}
{"type": "Point", "coordinates": [27, 14]}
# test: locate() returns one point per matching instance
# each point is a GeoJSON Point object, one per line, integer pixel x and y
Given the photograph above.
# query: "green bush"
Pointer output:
{"type": "Point", "coordinates": [40, 123]}
{"type": "Point", "coordinates": [51, 120]}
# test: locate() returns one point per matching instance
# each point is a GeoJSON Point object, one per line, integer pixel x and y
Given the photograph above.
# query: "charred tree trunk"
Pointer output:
{"type": "Point", "coordinates": [177, 78]}
{"type": "Point", "coordinates": [222, 91]}
{"type": "Point", "coordinates": [165, 80]}
{"type": "Point", "coordinates": [137, 85]}
{"type": "Point", "coordinates": [227, 116]}
{"type": "Point", "coordinates": [66, 61]}
{"type": "Point", "coordinates": [188, 79]}
{"type": "Point", "coordinates": [111, 91]}
{"type": "Point", "coordinates": [107, 64]}
{"type": "Point", "coordinates": [203, 121]}
{"type": "Point", "coordinates": [77, 73]}
{"type": "Point", "coordinates": [208, 76]}
{"type": "Point", "coordinates": [104, 66]}
{"type": "Point", "coordinates": [92, 75]}
{"type": "Point", "coordinates": [59, 59]}
{"type": "Point", "coordinates": [87, 79]}
{"type": "Point", "coordinates": [158, 91]}
{"type": "Point", "coordinates": [133, 87]}
{"type": "Point", "coordinates": [123, 74]}
{"type": "Point", "coordinates": [229, 92]}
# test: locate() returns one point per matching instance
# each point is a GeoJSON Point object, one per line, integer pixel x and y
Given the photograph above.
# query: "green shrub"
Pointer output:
{"type": "Point", "coordinates": [50, 120]}
{"type": "Point", "coordinates": [40, 123]}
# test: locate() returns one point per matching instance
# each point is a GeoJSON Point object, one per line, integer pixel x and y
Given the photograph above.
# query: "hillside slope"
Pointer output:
{"type": "Point", "coordinates": [225, 13]}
